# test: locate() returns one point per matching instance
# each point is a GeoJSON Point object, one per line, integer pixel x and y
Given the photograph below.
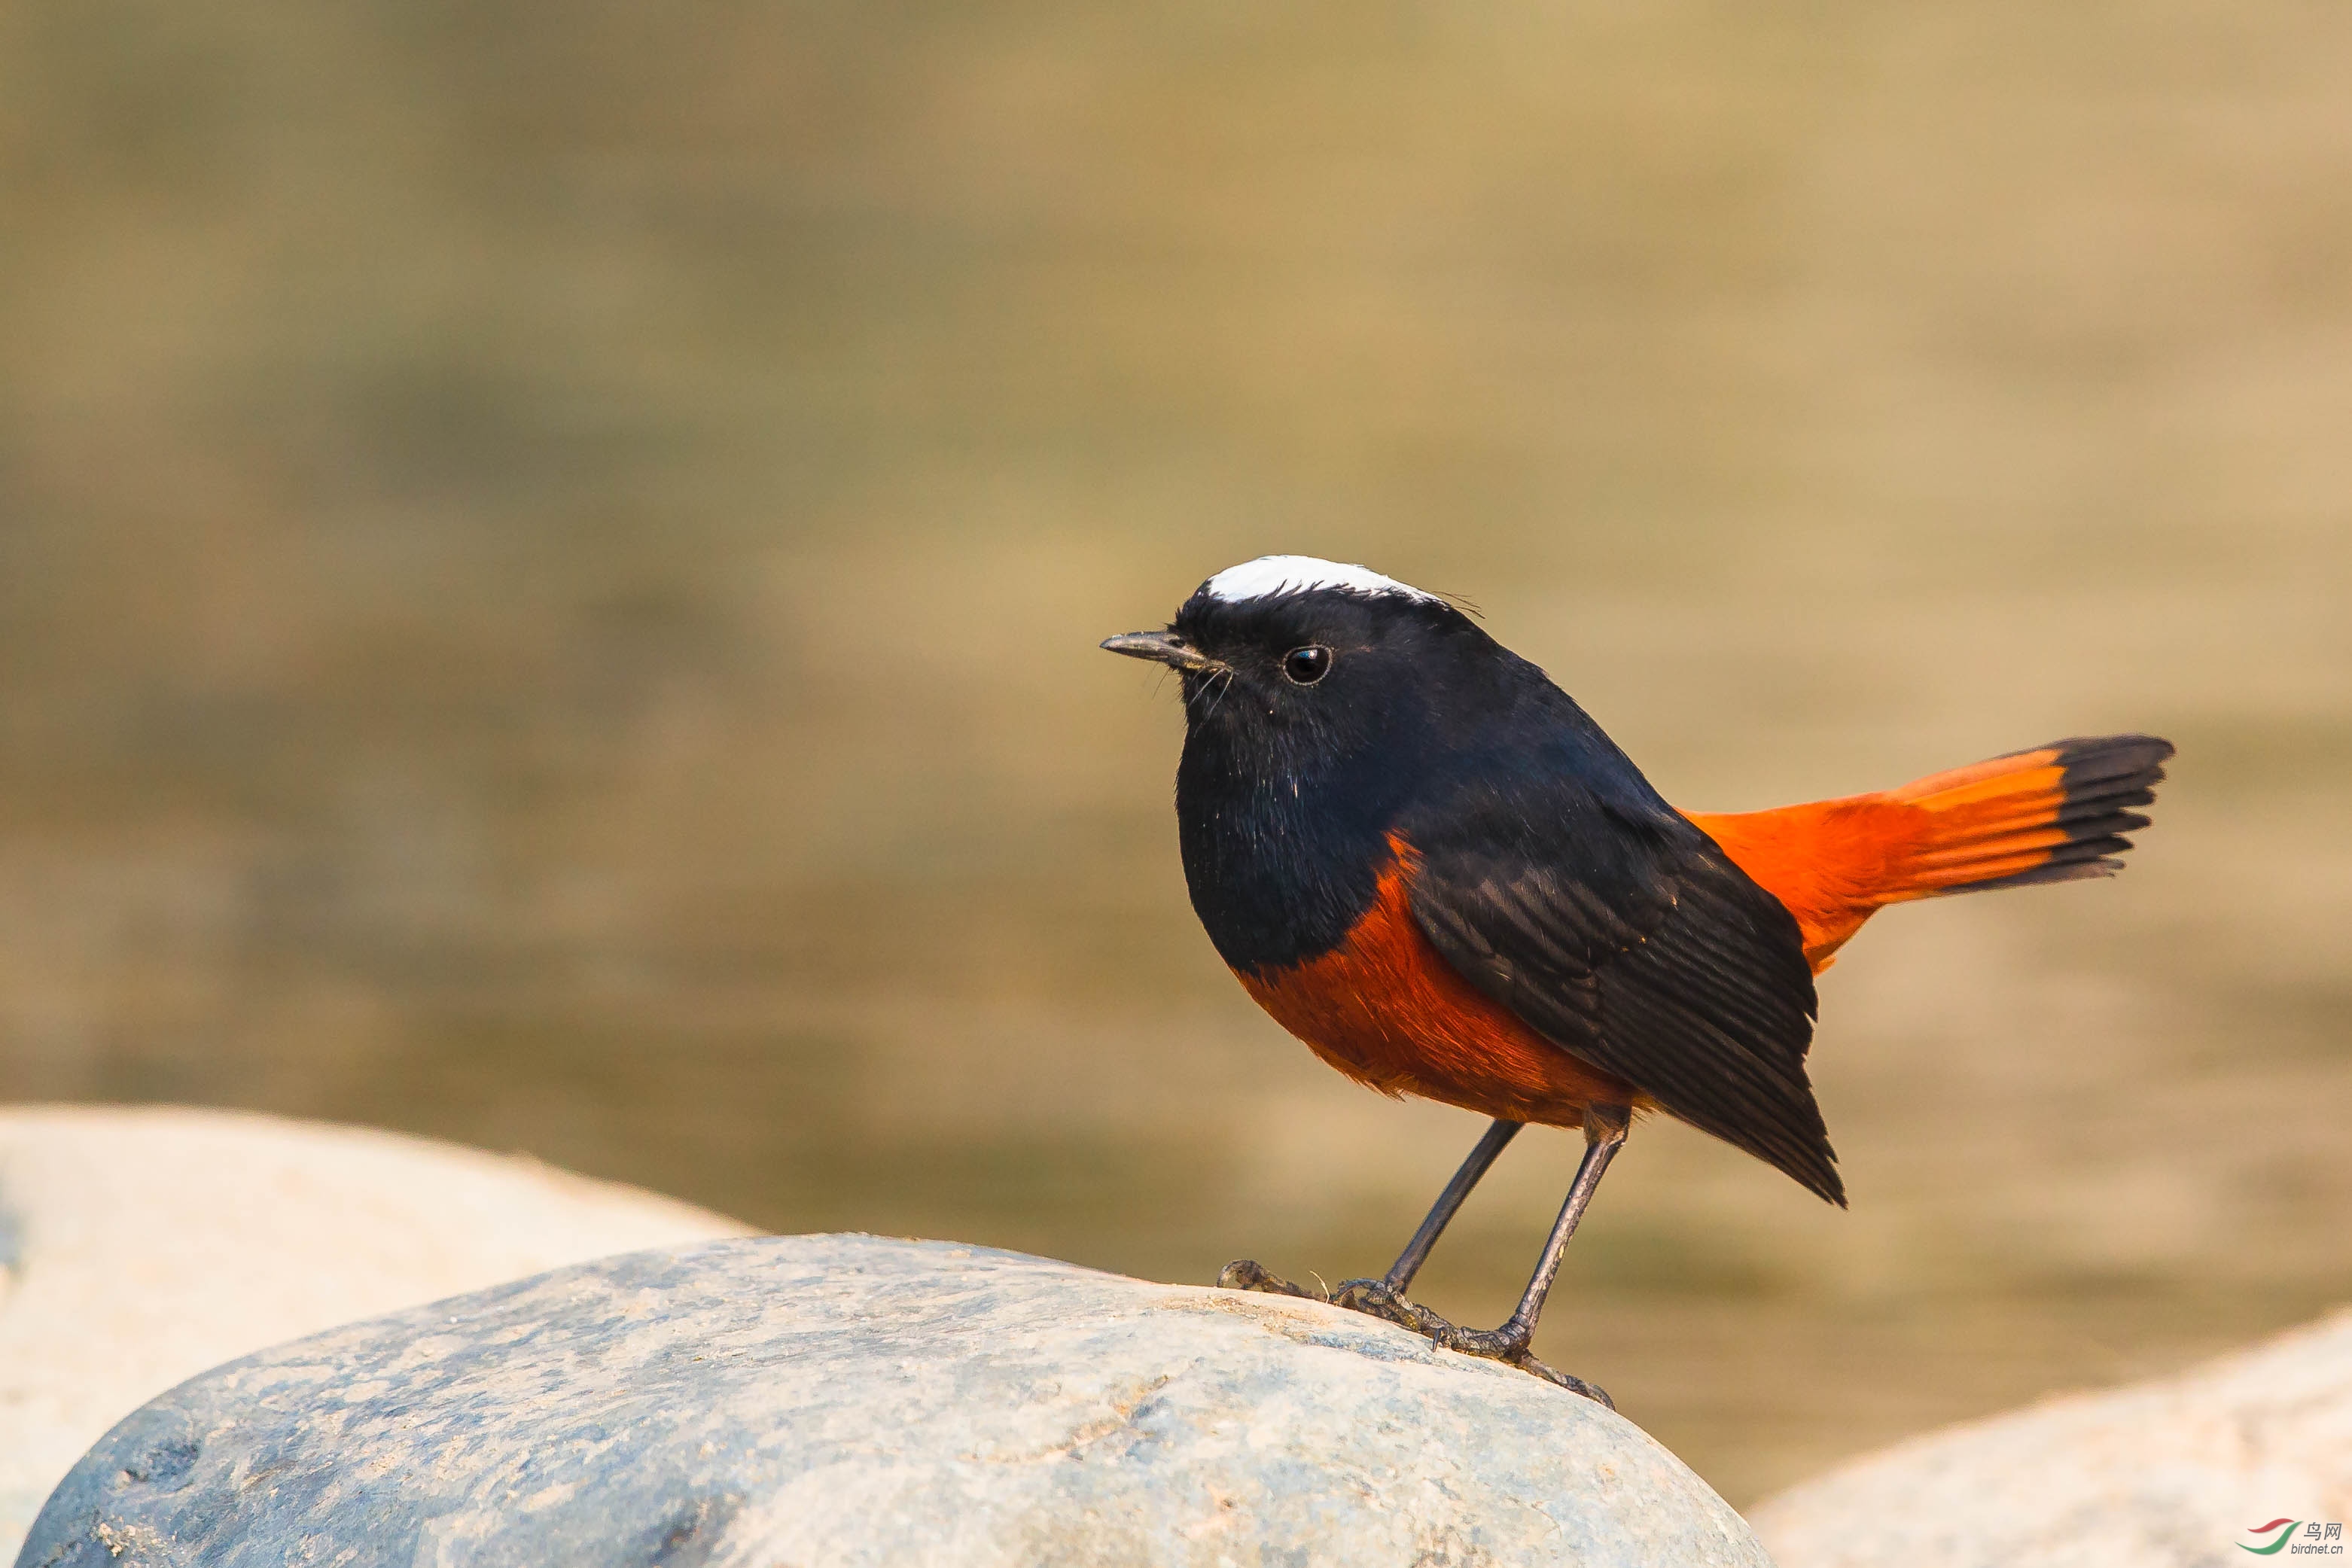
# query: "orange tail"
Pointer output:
{"type": "Point", "coordinates": [2052, 814]}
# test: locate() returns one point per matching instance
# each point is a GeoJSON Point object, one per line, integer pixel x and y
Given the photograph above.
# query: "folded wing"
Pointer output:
{"type": "Point", "coordinates": [1627, 938]}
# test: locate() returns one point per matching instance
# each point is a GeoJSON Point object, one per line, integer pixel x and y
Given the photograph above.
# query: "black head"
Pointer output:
{"type": "Point", "coordinates": [1304, 661]}
{"type": "Point", "coordinates": [1317, 699]}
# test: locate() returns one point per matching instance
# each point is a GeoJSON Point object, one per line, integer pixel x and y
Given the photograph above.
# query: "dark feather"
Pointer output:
{"type": "Point", "coordinates": [1637, 945]}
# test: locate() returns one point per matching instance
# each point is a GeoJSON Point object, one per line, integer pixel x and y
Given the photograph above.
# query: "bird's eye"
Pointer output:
{"type": "Point", "coordinates": [1307, 665]}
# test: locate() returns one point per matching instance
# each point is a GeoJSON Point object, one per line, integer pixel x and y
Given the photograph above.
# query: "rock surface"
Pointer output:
{"type": "Point", "coordinates": [847, 1400]}
{"type": "Point", "coordinates": [2171, 1472]}
{"type": "Point", "coordinates": [139, 1247]}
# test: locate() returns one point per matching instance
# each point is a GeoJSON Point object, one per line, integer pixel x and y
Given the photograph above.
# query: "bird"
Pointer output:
{"type": "Point", "coordinates": [1424, 858]}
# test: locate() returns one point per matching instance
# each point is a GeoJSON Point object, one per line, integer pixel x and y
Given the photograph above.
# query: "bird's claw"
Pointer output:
{"type": "Point", "coordinates": [1373, 1297]}
{"type": "Point", "coordinates": [1509, 1346]}
{"type": "Point", "coordinates": [1492, 1344]}
{"type": "Point", "coordinates": [1376, 1298]}
{"type": "Point", "coordinates": [1248, 1274]}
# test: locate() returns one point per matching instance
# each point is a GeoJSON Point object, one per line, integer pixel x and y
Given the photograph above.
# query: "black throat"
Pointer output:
{"type": "Point", "coordinates": [1283, 855]}
{"type": "Point", "coordinates": [1288, 791]}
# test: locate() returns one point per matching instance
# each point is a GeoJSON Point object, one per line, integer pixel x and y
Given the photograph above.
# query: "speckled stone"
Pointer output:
{"type": "Point", "coordinates": [842, 1400]}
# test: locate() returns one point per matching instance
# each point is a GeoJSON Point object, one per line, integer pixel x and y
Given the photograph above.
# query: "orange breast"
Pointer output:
{"type": "Point", "coordinates": [1387, 1010]}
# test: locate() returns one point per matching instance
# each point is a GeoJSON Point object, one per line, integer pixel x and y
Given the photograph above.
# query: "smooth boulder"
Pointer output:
{"type": "Point", "coordinates": [851, 1400]}
{"type": "Point", "coordinates": [2168, 1474]}
{"type": "Point", "coordinates": [141, 1245]}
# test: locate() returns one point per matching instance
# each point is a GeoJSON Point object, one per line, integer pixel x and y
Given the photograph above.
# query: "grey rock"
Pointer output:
{"type": "Point", "coordinates": [141, 1245]}
{"type": "Point", "coordinates": [847, 1400]}
{"type": "Point", "coordinates": [2167, 1474]}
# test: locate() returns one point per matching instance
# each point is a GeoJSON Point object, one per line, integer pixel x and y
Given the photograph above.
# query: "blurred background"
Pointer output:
{"type": "Point", "coordinates": [551, 559]}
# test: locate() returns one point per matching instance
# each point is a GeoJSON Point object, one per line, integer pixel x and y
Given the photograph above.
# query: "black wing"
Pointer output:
{"type": "Point", "coordinates": [1621, 934]}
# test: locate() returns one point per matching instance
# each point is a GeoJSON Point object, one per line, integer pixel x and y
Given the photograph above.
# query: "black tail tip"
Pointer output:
{"type": "Point", "coordinates": [2104, 778]}
{"type": "Point", "coordinates": [2103, 765]}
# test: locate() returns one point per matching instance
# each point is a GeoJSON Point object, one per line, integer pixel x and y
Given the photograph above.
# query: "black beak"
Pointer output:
{"type": "Point", "coordinates": [1161, 647]}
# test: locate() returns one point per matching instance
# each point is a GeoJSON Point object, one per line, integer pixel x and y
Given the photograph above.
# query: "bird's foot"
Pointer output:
{"type": "Point", "coordinates": [1378, 1299]}
{"type": "Point", "coordinates": [1373, 1297]}
{"type": "Point", "coordinates": [1248, 1274]}
{"type": "Point", "coordinates": [1508, 1344]}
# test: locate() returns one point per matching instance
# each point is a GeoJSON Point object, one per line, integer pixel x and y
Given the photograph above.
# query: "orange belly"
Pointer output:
{"type": "Point", "coordinates": [1387, 1010]}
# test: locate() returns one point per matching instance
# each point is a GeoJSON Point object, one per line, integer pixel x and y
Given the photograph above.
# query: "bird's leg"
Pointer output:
{"type": "Point", "coordinates": [1491, 1143]}
{"type": "Point", "coordinates": [1384, 1297]}
{"type": "Point", "coordinates": [1604, 1134]}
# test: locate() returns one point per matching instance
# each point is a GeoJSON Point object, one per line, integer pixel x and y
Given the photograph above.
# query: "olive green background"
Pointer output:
{"type": "Point", "coordinates": [550, 557]}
